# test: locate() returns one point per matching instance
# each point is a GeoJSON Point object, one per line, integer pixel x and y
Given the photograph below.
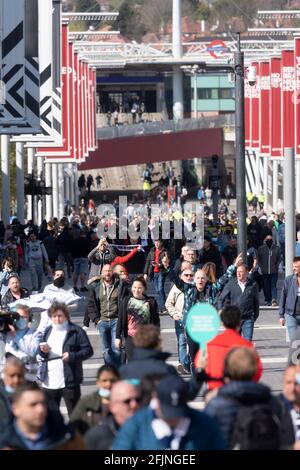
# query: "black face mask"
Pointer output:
{"type": "Point", "coordinates": [269, 243]}
{"type": "Point", "coordinates": [59, 282]}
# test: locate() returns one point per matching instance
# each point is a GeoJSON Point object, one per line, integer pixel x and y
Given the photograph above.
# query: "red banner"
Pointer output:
{"type": "Point", "coordinates": [297, 96]}
{"type": "Point", "coordinates": [247, 105]}
{"type": "Point", "coordinates": [255, 97]}
{"type": "Point", "coordinates": [287, 99]}
{"type": "Point", "coordinates": [64, 150]}
{"type": "Point", "coordinates": [275, 107]}
{"type": "Point", "coordinates": [264, 108]}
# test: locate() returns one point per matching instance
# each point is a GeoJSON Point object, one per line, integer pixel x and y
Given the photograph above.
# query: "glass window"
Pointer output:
{"type": "Point", "coordinates": [208, 94]}
{"type": "Point", "coordinates": [226, 93]}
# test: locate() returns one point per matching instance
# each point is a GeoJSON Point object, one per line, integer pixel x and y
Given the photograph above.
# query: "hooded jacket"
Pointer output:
{"type": "Point", "coordinates": [224, 408]}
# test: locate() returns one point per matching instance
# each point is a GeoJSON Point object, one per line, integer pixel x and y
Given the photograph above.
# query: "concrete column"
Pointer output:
{"type": "Point", "coordinates": [40, 199]}
{"type": "Point", "coordinates": [177, 54]}
{"type": "Point", "coordinates": [30, 167]}
{"type": "Point", "coordinates": [177, 93]}
{"type": "Point", "coordinates": [298, 185]}
{"type": "Point", "coordinates": [257, 173]}
{"type": "Point", "coordinates": [5, 170]}
{"type": "Point", "coordinates": [67, 177]}
{"type": "Point", "coordinates": [20, 182]}
{"type": "Point", "coordinates": [177, 37]}
{"type": "Point", "coordinates": [275, 185]}
{"type": "Point", "coordinates": [55, 189]}
{"type": "Point", "coordinates": [265, 182]}
{"type": "Point", "coordinates": [48, 181]}
{"type": "Point", "coordinates": [289, 207]}
{"type": "Point", "coordinates": [71, 185]}
{"type": "Point", "coordinates": [61, 195]}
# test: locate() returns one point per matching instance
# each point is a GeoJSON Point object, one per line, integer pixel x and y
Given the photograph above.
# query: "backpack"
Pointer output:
{"type": "Point", "coordinates": [256, 428]}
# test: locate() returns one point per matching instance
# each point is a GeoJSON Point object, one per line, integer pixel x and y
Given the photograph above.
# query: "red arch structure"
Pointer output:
{"type": "Point", "coordinates": [155, 148]}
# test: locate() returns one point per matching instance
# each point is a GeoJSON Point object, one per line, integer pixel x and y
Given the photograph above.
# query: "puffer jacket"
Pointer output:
{"type": "Point", "coordinates": [224, 408]}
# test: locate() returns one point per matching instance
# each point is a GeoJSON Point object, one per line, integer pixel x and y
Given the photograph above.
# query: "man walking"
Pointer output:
{"type": "Point", "coordinates": [243, 292]}
{"type": "Point", "coordinates": [289, 304]}
{"type": "Point", "coordinates": [103, 306]}
{"type": "Point", "coordinates": [269, 257]}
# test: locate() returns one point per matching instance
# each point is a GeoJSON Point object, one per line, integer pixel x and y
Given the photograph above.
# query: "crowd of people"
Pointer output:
{"type": "Point", "coordinates": [140, 401]}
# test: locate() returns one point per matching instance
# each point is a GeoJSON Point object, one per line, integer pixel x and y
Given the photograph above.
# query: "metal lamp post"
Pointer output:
{"type": "Point", "coordinates": [240, 149]}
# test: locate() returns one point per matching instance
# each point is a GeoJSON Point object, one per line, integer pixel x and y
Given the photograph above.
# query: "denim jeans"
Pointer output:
{"type": "Point", "coordinates": [291, 325]}
{"type": "Point", "coordinates": [247, 327]}
{"type": "Point", "coordinates": [36, 269]}
{"type": "Point", "coordinates": [107, 331]}
{"type": "Point", "coordinates": [182, 345]}
{"type": "Point", "coordinates": [269, 286]}
{"type": "Point", "coordinates": [159, 286]}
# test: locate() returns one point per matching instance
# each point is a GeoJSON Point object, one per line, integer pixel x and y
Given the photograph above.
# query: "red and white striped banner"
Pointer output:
{"type": "Point", "coordinates": [287, 99]}
{"type": "Point", "coordinates": [264, 108]}
{"type": "Point", "coordinates": [275, 107]}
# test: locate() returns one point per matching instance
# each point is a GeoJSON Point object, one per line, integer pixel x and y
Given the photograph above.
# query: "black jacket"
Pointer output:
{"type": "Point", "coordinates": [78, 346]}
{"type": "Point", "coordinates": [101, 436]}
{"type": "Point", "coordinates": [57, 434]}
{"type": "Point", "coordinates": [247, 301]}
{"type": "Point", "coordinates": [64, 241]}
{"type": "Point", "coordinates": [224, 408]}
{"type": "Point", "coordinates": [5, 406]}
{"type": "Point", "coordinates": [8, 298]}
{"type": "Point", "coordinates": [149, 266]}
{"type": "Point", "coordinates": [152, 363]}
{"type": "Point", "coordinates": [212, 255]}
{"type": "Point", "coordinates": [122, 325]}
{"type": "Point", "coordinates": [93, 308]}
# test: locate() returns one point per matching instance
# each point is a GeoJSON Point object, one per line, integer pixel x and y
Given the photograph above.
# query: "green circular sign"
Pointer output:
{"type": "Point", "coordinates": [203, 323]}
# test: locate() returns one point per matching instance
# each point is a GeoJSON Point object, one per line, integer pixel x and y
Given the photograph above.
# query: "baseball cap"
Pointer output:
{"type": "Point", "coordinates": [172, 394]}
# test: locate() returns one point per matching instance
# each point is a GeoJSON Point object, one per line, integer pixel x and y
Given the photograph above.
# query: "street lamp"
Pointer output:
{"type": "Point", "coordinates": [240, 149]}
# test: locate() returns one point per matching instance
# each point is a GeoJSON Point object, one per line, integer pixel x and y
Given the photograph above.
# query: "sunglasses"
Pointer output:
{"type": "Point", "coordinates": [129, 400]}
{"type": "Point", "coordinates": [188, 275]}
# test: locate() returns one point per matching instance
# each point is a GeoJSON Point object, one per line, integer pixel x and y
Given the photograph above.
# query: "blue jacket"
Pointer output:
{"type": "Point", "coordinates": [210, 294]}
{"type": "Point", "coordinates": [137, 433]}
{"type": "Point", "coordinates": [78, 345]}
{"type": "Point", "coordinates": [288, 296]}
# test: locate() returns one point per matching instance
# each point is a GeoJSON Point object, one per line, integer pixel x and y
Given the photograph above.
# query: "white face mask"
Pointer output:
{"type": "Point", "coordinates": [60, 326]}
{"type": "Point", "coordinates": [104, 393]}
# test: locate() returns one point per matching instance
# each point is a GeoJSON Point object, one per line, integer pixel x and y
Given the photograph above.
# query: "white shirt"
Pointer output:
{"type": "Point", "coordinates": [55, 377]}
{"type": "Point", "coordinates": [242, 285]}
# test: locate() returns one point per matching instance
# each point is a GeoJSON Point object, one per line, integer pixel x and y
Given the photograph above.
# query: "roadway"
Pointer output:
{"type": "Point", "coordinates": [269, 338]}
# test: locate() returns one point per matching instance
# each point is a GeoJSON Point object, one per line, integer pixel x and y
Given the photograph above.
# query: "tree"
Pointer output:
{"type": "Point", "coordinates": [130, 22]}
{"type": "Point", "coordinates": [225, 10]}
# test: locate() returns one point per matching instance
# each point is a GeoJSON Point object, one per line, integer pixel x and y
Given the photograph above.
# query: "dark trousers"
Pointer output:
{"type": "Point", "coordinates": [129, 347]}
{"type": "Point", "coordinates": [70, 395]}
{"type": "Point", "coordinates": [193, 349]}
{"type": "Point", "coordinates": [269, 286]}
